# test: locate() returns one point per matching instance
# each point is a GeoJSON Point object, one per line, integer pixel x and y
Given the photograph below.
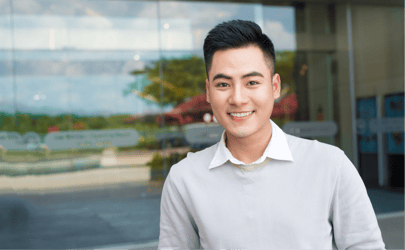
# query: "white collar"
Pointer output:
{"type": "Point", "coordinates": [277, 149]}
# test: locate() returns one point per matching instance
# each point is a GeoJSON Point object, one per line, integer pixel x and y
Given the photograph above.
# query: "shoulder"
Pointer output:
{"type": "Point", "coordinates": [295, 142]}
{"type": "Point", "coordinates": [305, 150]}
{"type": "Point", "coordinates": [194, 163]}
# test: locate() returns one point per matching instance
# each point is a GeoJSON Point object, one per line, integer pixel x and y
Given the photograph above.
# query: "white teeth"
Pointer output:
{"type": "Point", "coordinates": [241, 114]}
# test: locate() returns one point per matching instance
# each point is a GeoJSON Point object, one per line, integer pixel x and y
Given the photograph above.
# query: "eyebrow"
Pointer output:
{"type": "Point", "coordinates": [253, 73]}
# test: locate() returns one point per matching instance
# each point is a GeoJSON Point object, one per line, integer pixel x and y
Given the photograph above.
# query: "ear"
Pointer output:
{"type": "Point", "coordinates": [276, 85]}
{"type": "Point", "coordinates": [207, 89]}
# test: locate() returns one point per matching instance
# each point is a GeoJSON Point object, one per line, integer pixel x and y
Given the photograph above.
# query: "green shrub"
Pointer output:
{"type": "Point", "coordinates": [156, 164]}
{"type": "Point", "coordinates": [147, 144]}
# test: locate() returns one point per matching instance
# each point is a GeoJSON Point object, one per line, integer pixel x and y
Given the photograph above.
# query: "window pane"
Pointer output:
{"type": "Point", "coordinates": [73, 152]}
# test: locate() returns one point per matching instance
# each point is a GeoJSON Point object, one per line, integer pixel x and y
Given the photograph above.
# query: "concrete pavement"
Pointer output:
{"type": "Point", "coordinates": [124, 217]}
{"type": "Point", "coordinates": [116, 208]}
{"type": "Point", "coordinates": [392, 229]}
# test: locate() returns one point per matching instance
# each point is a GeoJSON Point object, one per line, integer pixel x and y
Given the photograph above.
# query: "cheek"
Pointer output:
{"type": "Point", "coordinates": [215, 103]}
{"type": "Point", "coordinates": [218, 100]}
{"type": "Point", "coordinates": [264, 98]}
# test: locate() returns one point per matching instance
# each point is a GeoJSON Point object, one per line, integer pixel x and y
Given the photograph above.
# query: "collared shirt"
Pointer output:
{"type": "Point", "coordinates": [300, 194]}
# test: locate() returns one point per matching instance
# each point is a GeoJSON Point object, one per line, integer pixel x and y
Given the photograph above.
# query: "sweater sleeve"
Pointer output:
{"type": "Point", "coordinates": [177, 227]}
{"type": "Point", "coordinates": [355, 224]}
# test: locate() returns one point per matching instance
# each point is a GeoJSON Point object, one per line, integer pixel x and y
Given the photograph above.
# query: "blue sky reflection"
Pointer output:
{"type": "Point", "coordinates": [92, 46]}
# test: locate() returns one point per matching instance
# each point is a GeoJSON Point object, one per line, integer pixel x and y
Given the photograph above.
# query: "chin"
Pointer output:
{"type": "Point", "coordinates": [241, 132]}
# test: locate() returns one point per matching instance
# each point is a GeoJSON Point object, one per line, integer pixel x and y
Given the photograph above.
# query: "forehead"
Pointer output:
{"type": "Point", "coordinates": [239, 61]}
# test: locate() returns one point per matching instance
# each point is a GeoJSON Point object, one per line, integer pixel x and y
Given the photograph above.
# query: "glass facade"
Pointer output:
{"type": "Point", "coordinates": [98, 99]}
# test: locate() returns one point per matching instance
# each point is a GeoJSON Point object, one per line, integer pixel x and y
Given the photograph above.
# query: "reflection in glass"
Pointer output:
{"type": "Point", "coordinates": [198, 18]}
{"type": "Point", "coordinates": [65, 143]}
{"type": "Point", "coordinates": [5, 31]}
{"type": "Point", "coordinates": [6, 83]}
{"type": "Point", "coordinates": [279, 25]}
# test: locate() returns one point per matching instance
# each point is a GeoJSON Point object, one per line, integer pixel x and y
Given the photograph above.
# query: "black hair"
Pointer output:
{"type": "Point", "coordinates": [238, 34]}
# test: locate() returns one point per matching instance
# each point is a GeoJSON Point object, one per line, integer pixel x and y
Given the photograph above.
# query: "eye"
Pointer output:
{"type": "Point", "coordinates": [222, 84]}
{"type": "Point", "coordinates": [253, 83]}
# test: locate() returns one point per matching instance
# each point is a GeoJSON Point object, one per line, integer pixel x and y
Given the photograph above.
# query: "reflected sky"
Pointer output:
{"type": "Point", "coordinates": [184, 25]}
{"type": "Point", "coordinates": [6, 94]}
{"type": "Point", "coordinates": [80, 7]}
{"type": "Point", "coordinates": [92, 46]}
{"type": "Point", "coordinates": [53, 95]}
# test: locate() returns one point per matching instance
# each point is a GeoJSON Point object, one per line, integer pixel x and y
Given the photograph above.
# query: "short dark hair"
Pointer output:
{"type": "Point", "coordinates": [238, 34]}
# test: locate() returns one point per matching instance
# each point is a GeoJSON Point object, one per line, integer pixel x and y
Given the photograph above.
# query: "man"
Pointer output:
{"type": "Point", "coordinates": [259, 188]}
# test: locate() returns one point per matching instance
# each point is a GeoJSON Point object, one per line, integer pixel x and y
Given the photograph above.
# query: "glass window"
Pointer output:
{"type": "Point", "coordinates": [70, 122]}
{"type": "Point", "coordinates": [6, 79]}
{"type": "Point", "coordinates": [6, 83]}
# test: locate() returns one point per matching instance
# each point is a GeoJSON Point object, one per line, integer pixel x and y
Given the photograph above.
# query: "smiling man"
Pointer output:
{"type": "Point", "coordinates": [259, 187]}
{"type": "Point", "coordinates": [241, 90]}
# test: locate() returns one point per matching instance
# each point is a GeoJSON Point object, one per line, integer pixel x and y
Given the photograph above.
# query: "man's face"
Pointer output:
{"type": "Point", "coordinates": [241, 90]}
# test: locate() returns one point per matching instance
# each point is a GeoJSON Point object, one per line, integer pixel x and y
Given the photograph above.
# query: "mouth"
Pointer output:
{"type": "Point", "coordinates": [239, 116]}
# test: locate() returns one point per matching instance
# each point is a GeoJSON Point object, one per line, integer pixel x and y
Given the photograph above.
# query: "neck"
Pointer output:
{"type": "Point", "coordinates": [250, 148]}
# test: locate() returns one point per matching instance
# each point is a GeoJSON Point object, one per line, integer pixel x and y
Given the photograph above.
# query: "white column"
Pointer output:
{"type": "Point", "coordinates": [380, 146]}
{"type": "Point", "coordinates": [352, 94]}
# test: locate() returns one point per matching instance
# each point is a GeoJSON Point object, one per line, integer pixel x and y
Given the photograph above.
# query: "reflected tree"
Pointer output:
{"type": "Point", "coordinates": [97, 122]}
{"type": "Point", "coordinates": [42, 124]}
{"type": "Point", "coordinates": [285, 67]}
{"type": "Point", "coordinates": [7, 124]}
{"type": "Point", "coordinates": [183, 78]}
{"type": "Point", "coordinates": [24, 123]}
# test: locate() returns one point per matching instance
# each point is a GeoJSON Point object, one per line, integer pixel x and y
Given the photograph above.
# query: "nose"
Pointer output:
{"type": "Point", "coordinates": [238, 96]}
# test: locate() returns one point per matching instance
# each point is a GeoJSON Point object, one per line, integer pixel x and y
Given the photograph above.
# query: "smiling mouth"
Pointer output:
{"type": "Point", "coordinates": [240, 115]}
